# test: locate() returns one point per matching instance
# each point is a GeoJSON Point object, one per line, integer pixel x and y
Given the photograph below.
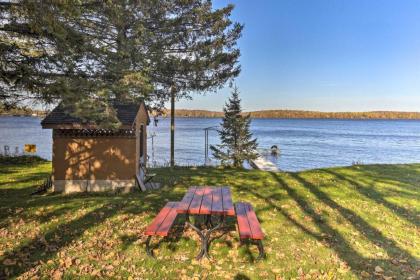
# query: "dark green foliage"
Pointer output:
{"type": "Point", "coordinates": [88, 53]}
{"type": "Point", "coordinates": [235, 135]}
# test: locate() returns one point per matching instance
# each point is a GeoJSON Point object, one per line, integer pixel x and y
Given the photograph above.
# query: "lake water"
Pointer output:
{"type": "Point", "coordinates": [304, 144]}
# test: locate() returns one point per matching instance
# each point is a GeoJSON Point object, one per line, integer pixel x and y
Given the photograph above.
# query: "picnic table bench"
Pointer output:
{"type": "Point", "coordinates": [248, 225]}
{"type": "Point", "coordinates": [161, 224]}
{"type": "Point", "coordinates": [207, 202]}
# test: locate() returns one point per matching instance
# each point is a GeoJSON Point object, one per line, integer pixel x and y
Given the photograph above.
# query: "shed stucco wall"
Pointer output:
{"type": "Point", "coordinates": [93, 164]}
{"type": "Point", "coordinates": [82, 163]}
{"type": "Point", "coordinates": [94, 158]}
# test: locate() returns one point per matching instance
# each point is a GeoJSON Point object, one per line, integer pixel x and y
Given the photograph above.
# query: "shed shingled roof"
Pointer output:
{"type": "Point", "coordinates": [126, 114]}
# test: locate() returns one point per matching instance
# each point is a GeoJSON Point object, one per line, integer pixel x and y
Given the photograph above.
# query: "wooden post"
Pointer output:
{"type": "Point", "coordinates": [172, 127]}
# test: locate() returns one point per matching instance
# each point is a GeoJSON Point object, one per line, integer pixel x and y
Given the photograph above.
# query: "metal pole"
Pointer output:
{"type": "Point", "coordinates": [172, 127]}
{"type": "Point", "coordinates": [207, 153]}
{"type": "Point", "coordinates": [153, 149]}
{"type": "Point", "coordinates": [152, 137]}
{"type": "Point", "coordinates": [205, 146]}
{"type": "Point", "coordinates": [206, 143]}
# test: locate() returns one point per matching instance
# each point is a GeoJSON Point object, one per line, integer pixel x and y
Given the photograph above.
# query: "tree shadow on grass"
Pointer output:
{"type": "Point", "coordinates": [241, 276]}
{"type": "Point", "coordinates": [21, 207]}
{"type": "Point", "coordinates": [332, 237]}
{"type": "Point", "coordinates": [371, 233]}
{"type": "Point", "coordinates": [128, 240]}
{"type": "Point", "coordinates": [200, 175]}
{"type": "Point", "coordinates": [40, 177]}
{"type": "Point", "coordinates": [20, 199]}
{"type": "Point", "coordinates": [372, 193]}
{"type": "Point", "coordinates": [16, 194]}
{"type": "Point", "coordinates": [249, 249]}
{"type": "Point", "coordinates": [44, 247]}
{"type": "Point", "coordinates": [39, 249]}
{"type": "Point", "coordinates": [408, 174]}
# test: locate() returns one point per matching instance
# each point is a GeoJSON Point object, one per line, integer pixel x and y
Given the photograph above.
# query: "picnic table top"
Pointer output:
{"type": "Point", "coordinates": [207, 201]}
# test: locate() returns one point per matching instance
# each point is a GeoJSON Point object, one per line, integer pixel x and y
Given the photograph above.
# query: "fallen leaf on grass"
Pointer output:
{"type": "Point", "coordinates": [365, 274]}
{"type": "Point", "coordinates": [9, 262]}
{"type": "Point", "coordinates": [68, 262]}
{"type": "Point", "coordinates": [378, 269]}
{"type": "Point", "coordinates": [276, 270]}
{"type": "Point", "coordinates": [300, 271]}
{"type": "Point", "coordinates": [57, 275]}
{"type": "Point", "coordinates": [95, 272]}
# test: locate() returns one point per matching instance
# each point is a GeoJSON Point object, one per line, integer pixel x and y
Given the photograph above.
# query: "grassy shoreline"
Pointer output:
{"type": "Point", "coordinates": [335, 223]}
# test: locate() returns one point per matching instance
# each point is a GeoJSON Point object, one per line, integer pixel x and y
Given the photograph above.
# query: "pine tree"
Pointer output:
{"type": "Point", "coordinates": [87, 53]}
{"type": "Point", "coordinates": [236, 144]}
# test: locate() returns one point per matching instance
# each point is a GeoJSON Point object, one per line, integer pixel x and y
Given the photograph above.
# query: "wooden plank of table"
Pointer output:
{"type": "Point", "coordinates": [196, 201]}
{"type": "Point", "coordinates": [243, 225]}
{"type": "Point", "coordinates": [217, 203]}
{"type": "Point", "coordinates": [207, 201]}
{"type": "Point", "coordinates": [184, 205]}
{"type": "Point", "coordinates": [227, 202]}
{"type": "Point", "coordinates": [154, 226]}
{"type": "Point", "coordinates": [254, 224]}
{"type": "Point", "coordinates": [166, 225]}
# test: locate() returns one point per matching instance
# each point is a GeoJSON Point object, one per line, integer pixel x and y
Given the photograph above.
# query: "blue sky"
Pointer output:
{"type": "Point", "coordinates": [326, 55]}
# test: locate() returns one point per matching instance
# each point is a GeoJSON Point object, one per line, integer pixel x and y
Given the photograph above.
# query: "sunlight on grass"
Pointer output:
{"type": "Point", "coordinates": [343, 223]}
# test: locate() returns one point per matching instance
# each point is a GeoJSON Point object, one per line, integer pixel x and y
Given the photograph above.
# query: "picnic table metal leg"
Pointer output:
{"type": "Point", "coordinates": [209, 232]}
{"type": "Point", "coordinates": [202, 240]}
{"type": "Point", "coordinates": [261, 250]}
{"type": "Point", "coordinates": [205, 237]}
{"type": "Point", "coordinates": [208, 222]}
{"type": "Point", "coordinates": [149, 252]}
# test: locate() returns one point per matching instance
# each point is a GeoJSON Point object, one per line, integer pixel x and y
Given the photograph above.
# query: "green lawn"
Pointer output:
{"type": "Point", "coordinates": [338, 223]}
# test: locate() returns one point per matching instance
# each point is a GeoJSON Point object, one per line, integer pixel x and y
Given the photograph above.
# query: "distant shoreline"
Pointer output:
{"type": "Point", "coordinates": [300, 114]}
{"type": "Point", "coordinates": [21, 115]}
{"type": "Point", "coordinates": [22, 112]}
{"type": "Point", "coordinates": [270, 114]}
{"type": "Point", "coordinates": [344, 119]}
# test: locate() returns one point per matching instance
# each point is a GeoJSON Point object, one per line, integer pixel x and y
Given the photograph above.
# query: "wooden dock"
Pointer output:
{"type": "Point", "coordinates": [262, 163]}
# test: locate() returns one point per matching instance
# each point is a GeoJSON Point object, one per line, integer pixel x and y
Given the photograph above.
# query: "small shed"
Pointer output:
{"type": "Point", "coordinates": [86, 158]}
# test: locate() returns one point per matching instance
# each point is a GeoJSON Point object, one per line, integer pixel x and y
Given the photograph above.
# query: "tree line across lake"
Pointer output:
{"type": "Point", "coordinates": [300, 114]}
{"type": "Point", "coordinates": [20, 111]}
{"type": "Point", "coordinates": [264, 114]}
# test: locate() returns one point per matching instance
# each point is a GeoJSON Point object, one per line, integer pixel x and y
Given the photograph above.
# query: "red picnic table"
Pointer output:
{"type": "Point", "coordinates": [207, 201]}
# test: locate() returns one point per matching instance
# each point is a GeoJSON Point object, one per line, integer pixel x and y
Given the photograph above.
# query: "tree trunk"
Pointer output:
{"type": "Point", "coordinates": [172, 127]}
